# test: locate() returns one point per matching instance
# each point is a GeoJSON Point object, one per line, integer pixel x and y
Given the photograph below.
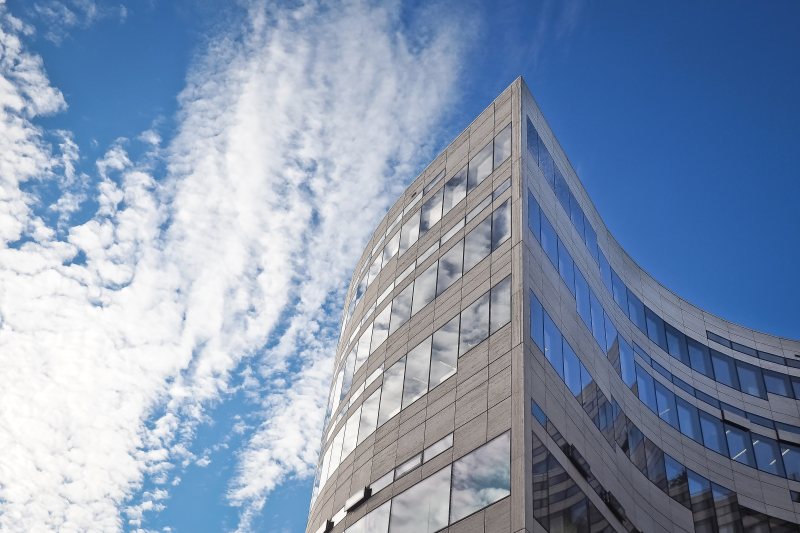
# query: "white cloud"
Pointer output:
{"type": "Point", "coordinates": [278, 172]}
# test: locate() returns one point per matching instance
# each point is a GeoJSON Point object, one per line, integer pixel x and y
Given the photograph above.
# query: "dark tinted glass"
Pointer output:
{"type": "Point", "coordinates": [627, 365]}
{"type": "Point", "coordinates": [677, 481]}
{"type": "Point", "coordinates": [647, 393]}
{"type": "Point", "coordinates": [777, 383]}
{"type": "Point", "coordinates": [739, 446]}
{"type": "Point", "coordinates": [713, 434]}
{"type": "Point", "coordinates": [676, 344]}
{"type": "Point", "coordinates": [620, 292]}
{"type": "Point", "coordinates": [688, 419]}
{"type": "Point", "coordinates": [791, 460]}
{"type": "Point", "coordinates": [636, 312]}
{"type": "Point", "coordinates": [768, 456]}
{"type": "Point", "coordinates": [598, 326]}
{"type": "Point", "coordinates": [699, 357]}
{"type": "Point", "coordinates": [666, 405]}
{"type": "Point", "coordinates": [582, 299]}
{"type": "Point", "coordinates": [655, 328]}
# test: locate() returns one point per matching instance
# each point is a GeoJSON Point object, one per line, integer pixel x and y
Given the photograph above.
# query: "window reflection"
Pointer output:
{"type": "Point", "coordinates": [431, 212]}
{"type": "Point", "coordinates": [481, 478]}
{"type": "Point", "coordinates": [444, 353]}
{"type": "Point", "coordinates": [477, 244]}
{"type": "Point", "coordinates": [552, 345]}
{"type": "Point", "coordinates": [450, 267]}
{"type": "Point", "coordinates": [480, 166]}
{"type": "Point", "coordinates": [401, 308]}
{"type": "Point", "coordinates": [768, 457]}
{"type": "Point", "coordinates": [392, 391]}
{"type": "Point", "coordinates": [474, 324]}
{"type": "Point", "coordinates": [418, 363]}
{"type": "Point", "coordinates": [376, 521]}
{"type": "Point", "coordinates": [502, 145]}
{"type": "Point", "coordinates": [739, 445]}
{"type": "Point", "coordinates": [380, 329]}
{"type": "Point", "coordinates": [424, 289]}
{"type": "Point", "coordinates": [500, 311]}
{"type": "Point", "coordinates": [501, 224]}
{"type": "Point", "coordinates": [424, 507]}
{"type": "Point", "coordinates": [455, 189]}
{"type": "Point", "coordinates": [410, 232]}
{"type": "Point", "coordinates": [369, 415]}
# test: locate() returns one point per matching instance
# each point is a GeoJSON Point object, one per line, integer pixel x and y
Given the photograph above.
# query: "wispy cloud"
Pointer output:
{"type": "Point", "coordinates": [59, 17]}
{"type": "Point", "coordinates": [296, 131]}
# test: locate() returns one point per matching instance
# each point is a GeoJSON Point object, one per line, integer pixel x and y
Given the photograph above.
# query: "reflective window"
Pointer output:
{"type": "Point", "coordinates": [665, 400]}
{"type": "Point", "coordinates": [768, 456]}
{"type": "Point", "coordinates": [777, 383]}
{"type": "Point", "coordinates": [566, 267]}
{"type": "Point", "coordinates": [501, 224]}
{"type": "Point", "coordinates": [369, 415]}
{"type": "Point", "coordinates": [455, 189]}
{"type": "Point", "coordinates": [374, 270]}
{"type": "Point", "coordinates": [562, 189]}
{"type": "Point", "coordinates": [537, 321]}
{"type": "Point", "coordinates": [677, 480]}
{"type": "Point", "coordinates": [450, 267]}
{"type": "Point", "coordinates": [391, 248]}
{"type": "Point", "coordinates": [572, 370]}
{"type": "Point", "coordinates": [619, 292]}
{"type": "Point", "coordinates": [549, 241]}
{"type": "Point", "coordinates": [791, 460]}
{"type": "Point", "coordinates": [750, 379]}
{"type": "Point", "coordinates": [424, 507]}
{"type": "Point", "coordinates": [636, 312]}
{"type": "Point", "coordinates": [392, 391]}
{"type": "Point", "coordinates": [552, 345]}
{"type": "Point", "coordinates": [480, 166]}
{"type": "Point", "coordinates": [647, 392]}
{"type": "Point", "coordinates": [474, 324]}
{"type": "Point", "coordinates": [655, 328]}
{"type": "Point", "coordinates": [699, 358]}
{"type": "Point", "coordinates": [576, 216]}
{"type": "Point", "coordinates": [546, 164]}
{"type": "Point", "coordinates": [591, 240]}
{"type": "Point", "coordinates": [598, 325]}
{"type": "Point", "coordinates": [351, 433]}
{"type": "Point", "coordinates": [656, 472]}
{"type": "Point", "coordinates": [605, 270]}
{"type": "Point", "coordinates": [376, 521]}
{"type": "Point", "coordinates": [500, 310]}
{"type": "Point", "coordinates": [534, 222]}
{"type": "Point", "coordinates": [380, 329]}
{"type": "Point", "coordinates": [636, 451]}
{"type": "Point", "coordinates": [409, 232]}
{"type": "Point", "coordinates": [431, 212]}
{"type": "Point", "coordinates": [478, 244]}
{"type": "Point", "coordinates": [418, 362]}
{"type": "Point", "coordinates": [444, 352]}
{"type": "Point", "coordinates": [688, 419]}
{"type": "Point", "coordinates": [424, 289]}
{"type": "Point", "coordinates": [481, 478]}
{"type": "Point", "coordinates": [611, 332]}
{"type": "Point", "coordinates": [437, 447]}
{"type": "Point", "coordinates": [363, 347]}
{"type": "Point", "coordinates": [502, 145]}
{"type": "Point", "coordinates": [627, 364]}
{"type": "Point", "coordinates": [724, 369]}
{"type": "Point", "coordinates": [401, 308]}
{"type": "Point", "coordinates": [713, 434]}
{"type": "Point", "coordinates": [739, 446]}
{"type": "Point", "coordinates": [582, 298]}
{"type": "Point", "coordinates": [676, 345]}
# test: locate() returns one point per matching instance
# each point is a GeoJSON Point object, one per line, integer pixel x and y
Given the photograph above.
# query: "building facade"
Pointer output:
{"type": "Point", "coordinates": [505, 366]}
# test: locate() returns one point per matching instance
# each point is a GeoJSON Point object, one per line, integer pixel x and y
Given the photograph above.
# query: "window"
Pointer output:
{"type": "Point", "coordinates": [636, 448]}
{"type": "Point", "coordinates": [611, 333]}
{"type": "Point", "coordinates": [677, 481]}
{"type": "Point", "coordinates": [552, 345]}
{"type": "Point", "coordinates": [351, 433]}
{"type": "Point", "coordinates": [724, 369]}
{"type": "Point", "coordinates": [369, 415]}
{"type": "Point", "coordinates": [656, 472]}
{"type": "Point", "coordinates": [768, 457]}
{"type": "Point", "coordinates": [534, 222]}
{"type": "Point", "coordinates": [647, 393]}
{"type": "Point", "coordinates": [418, 362]}
{"type": "Point", "coordinates": [363, 347]}
{"type": "Point", "coordinates": [739, 446]}
{"type": "Point", "coordinates": [699, 358]}
{"type": "Point", "coordinates": [532, 141]}
{"type": "Point", "coordinates": [713, 435]}
{"type": "Point", "coordinates": [376, 521]}
{"type": "Point", "coordinates": [546, 164]}
{"type": "Point", "coordinates": [549, 241]}
{"type": "Point", "coordinates": [391, 247]}
{"type": "Point", "coordinates": [424, 289]}
{"type": "Point", "coordinates": [431, 211]}
{"type": "Point", "coordinates": [501, 224]}
{"type": "Point", "coordinates": [598, 326]}
{"type": "Point", "coordinates": [620, 292]}
{"type": "Point", "coordinates": [450, 267]}
{"type": "Point", "coordinates": [750, 379]}
{"type": "Point", "coordinates": [582, 299]}
{"type": "Point", "coordinates": [566, 267]}
{"type": "Point", "coordinates": [392, 391]}
{"type": "Point", "coordinates": [676, 345]}
{"type": "Point", "coordinates": [636, 312]}
{"type": "Point", "coordinates": [591, 240]}
{"type": "Point", "coordinates": [424, 507]}
{"type": "Point", "coordinates": [380, 329]}
{"type": "Point", "coordinates": [576, 215]}
{"type": "Point", "coordinates": [474, 324]}
{"type": "Point", "coordinates": [605, 270]}
{"type": "Point", "coordinates": [401, 308]}
{"type": "Point", "coordinates": [777, 383]}
{"type": "Point", "coordinates": [481, 478]}
{"type": "Point", "coordinates": [688, 419]}
{"type": "Point", "coordinates": [437, 447]}
{"type": "Point", "coordinates": [374, 269]}
{"type": "Point", "coordinates": [791, 460]}
{"type": "Point", "coordinates": [572, 370]}
{"type": "Point", "coordinates": [562, 189]}
{"type": "Point", "coordinates": [655, 328]}
{"type": "Point", "coordinates": [665, 400]}
{"type": "Point", "coordinates": [444, 352]}
{"type": "Point", "coordinates": [627, 364]}
{"type": "Point", "coordinates": [500, 309]}
{"type": "Point", "coordinates": [502, 145]}
{"type": "Point", "coordinates": [480, 166]}
{"type": "Point", "coordinates": [409, 233]}
{"type": "Point", "coordinates": [478, 244]}
{"type": "Point", "coordinates": [537, 321]}
{"type": "Point", "coordinates": [455, 189]}
{"type": "Point", "coordinates": [702, 503]}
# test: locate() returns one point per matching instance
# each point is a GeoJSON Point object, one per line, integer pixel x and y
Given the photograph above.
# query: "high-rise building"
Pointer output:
{"type": "Point", "coordinates": [505, 366]}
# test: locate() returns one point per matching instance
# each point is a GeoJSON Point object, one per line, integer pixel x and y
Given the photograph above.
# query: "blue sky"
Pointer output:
{"type": "Point", "coordinates": [177, 173]}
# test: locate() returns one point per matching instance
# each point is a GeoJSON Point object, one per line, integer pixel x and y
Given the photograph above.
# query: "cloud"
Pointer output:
{"type": "Point", "coordinates": [60, 17]}
{"type": "Point", "coordinates": [297, 129]}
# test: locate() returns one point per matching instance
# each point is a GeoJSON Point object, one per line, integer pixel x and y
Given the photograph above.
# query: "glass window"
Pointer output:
{"type": "Point", "coordinates": [380, 329]}
{"type": "Point", "coordinates": [501, 224]}
{"type": "Point", "coordinates": [791, 460]}
{"type": "Point", "coordinates": [750, 379]}
{"type": "Point", "coordinates": [478, 244]}
{"type": "Point", "coordinates": [666, 405]}
{"type": "Point", "coordinates": [552, 345]}
{"type": "Point", "coordinates": [739, 446]}
{"type": "Point", "coordinates": [620, 291]}
{"type": "Point", "coordinates": [591, 240]}
{"type": "Point", "coordinates": [546, 164]}
{"type": "Point", "coordinates": [582, 299]}
{"type": "Point", "coordinates": [611, 333]}
{"type": "Point", "coordinates": [562, 189]}
{"type": "Point", "coordinates": [392, 391]}
{"type": "Point", "coordinates": [777, 383]}
{"type": "Point", "coordinates": [474, 324]}
{"type": "Point", "coordinates": [437, 447]}
{"type": "Point", "coordinates": [598, 324]}
{"type": "Point", "coordinates": [655, 328]}
{"type": "Point", "coordinates": [455, 189]}
{"type": "Point", "coordinates": [676, 344]}
{"type": "Point", "coordinates": [369, 415]}
{"type": "Point", "coordinates": [376, 521]}
{"type": "Point", "coordinates": [768, 456]}
{"type": "Point", "coordinates": [655, 465]}
{"type": "Point", "coordinates": [500, 311]}
{"type": "Point", "coordinates": [401, 308]}
{"type": "Point", "coordinates": [431, 211]}
{"type": "Point", "coordinates": [351, 433]}
{"type": "Point", "coordinates": [537, 321]}
{"type": "Point", "coordinates": [532, 141]}
{"type": "Point", "coordinates": [576, 215]}
{"type": "Point", "coordinates": [713, 434]}
{"type": "Point", "coordinates": [647, 391]}
{"type": "Point", "coordinates": [502, 145]}
{"type": "Point", "coordinates": [444, 352]}
{"type": "Point", "coordinates": [549, 241]}
{"type": "Point", "coordinates": [699, 358]}
{"type": "Point", "coordinates": [418, 362]}
{"type": "Point", "coordinates": [424, 289]}
{"type": "Point", "coordinates": [702, 503]}
{"type": "Point", "coordinates": [424, 507]}
{"type": "Point", "coordinates": [391, 247]}
{"type": "Point", "coordinates": [534, 222]}
{"type": "Point", "coordinates": [374, 269]}
{"type": "Point", "coordinates": [605, 270]}
{"type": "Point", "coordinates": [627, 364]}
{"type": "Point", "coordinates": [572, 370]}
{"type": "Point", "coordinates": [450, 267]}
{"type": "Point", "coordinates": [724, 369]}
{"type": "Point", "coordinates": [363, 347]}
{"type": "Point", "coordinates": [677, 481]}
{"type": "Point", "coordinates": [409, 233]}
{"type": "Point", "coordinates": [566, 267]}
{"type": "Point", "coordinates": [481, 478]}
{"type": "Point", "coordinates": [636, 312]}
{"type": "Point", "coordinates": [688, 419]}
{"type": "Point", "coordinates": [636, 451]}
{"type": "Point", "coordinates": [480, 166]}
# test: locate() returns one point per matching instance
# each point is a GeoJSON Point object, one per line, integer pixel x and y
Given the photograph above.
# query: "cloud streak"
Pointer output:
{"type": "Point", "coordinates": [296, 131]}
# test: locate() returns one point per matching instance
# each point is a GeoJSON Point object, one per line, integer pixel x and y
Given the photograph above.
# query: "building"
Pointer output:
{"type": "Point", "coordinates": [505, 366]}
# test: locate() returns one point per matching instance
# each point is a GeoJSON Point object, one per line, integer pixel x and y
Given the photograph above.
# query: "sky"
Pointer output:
{"type": "Point", "coordinates": [186, 186]}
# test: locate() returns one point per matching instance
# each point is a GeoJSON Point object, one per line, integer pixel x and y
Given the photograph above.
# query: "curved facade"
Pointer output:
{"type": "Point", "coordinates": [504, 366]}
